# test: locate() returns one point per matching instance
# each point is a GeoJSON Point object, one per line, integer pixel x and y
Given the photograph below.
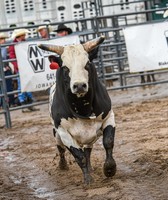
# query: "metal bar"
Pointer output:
{"type": "Point", "coordinates": [113, 54]}
{"type": "Point", "coordinates": [137, 85]}
{"type": "Point", "coordinates": [5, 105]}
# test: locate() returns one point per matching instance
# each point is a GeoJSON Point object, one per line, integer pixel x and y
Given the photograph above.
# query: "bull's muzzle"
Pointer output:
{"type": "Point", "coordinates": [79, 88]}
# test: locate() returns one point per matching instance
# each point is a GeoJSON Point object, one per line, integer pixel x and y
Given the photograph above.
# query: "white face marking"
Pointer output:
{"type": "Point", "coordinates": [75, 58]}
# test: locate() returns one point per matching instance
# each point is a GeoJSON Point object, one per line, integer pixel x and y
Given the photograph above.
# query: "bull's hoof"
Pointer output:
{"type": "Point", "coordinates": [63, 165]}
{"type": "Point", "coordinates": [110, 168]}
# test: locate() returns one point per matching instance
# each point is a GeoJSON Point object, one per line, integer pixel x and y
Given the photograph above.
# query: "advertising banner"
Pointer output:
{"type": "Point", "coordinates": [35, 73]}
{"type": "Point", "coordinates": [147, 46]}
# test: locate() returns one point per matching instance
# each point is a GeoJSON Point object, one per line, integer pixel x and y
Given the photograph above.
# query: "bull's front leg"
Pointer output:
{"type": "Point", "coordinates": [108, 142]}
{"type": "Point", "coordinates": [82, 157]}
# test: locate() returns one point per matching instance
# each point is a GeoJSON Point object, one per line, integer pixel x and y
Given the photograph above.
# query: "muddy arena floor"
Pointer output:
{"type": "Point", "coordinates": [29, 158]}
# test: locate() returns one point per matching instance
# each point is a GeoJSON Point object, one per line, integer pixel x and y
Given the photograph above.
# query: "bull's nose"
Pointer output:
{"type": "Point", "coordinates": [80, 88]}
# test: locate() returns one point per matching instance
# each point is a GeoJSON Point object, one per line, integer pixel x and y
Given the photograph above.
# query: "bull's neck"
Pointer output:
{"type": "Point", "coordinates": [81, 107]}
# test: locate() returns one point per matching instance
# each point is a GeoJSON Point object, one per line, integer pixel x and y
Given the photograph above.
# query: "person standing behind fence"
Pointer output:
{"type": "Point", "coordinates": [55, 61]}
{"type": "Point", "coordinates": [44, 31]}
{"type": "Point", "coordinates": [63, 30]}
{"type": "Point", "coordinates": [7, 69]}
{"type": "Point", "coordinates": [19, 35]}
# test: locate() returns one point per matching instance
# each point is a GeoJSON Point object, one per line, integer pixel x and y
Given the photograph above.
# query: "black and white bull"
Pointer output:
{"type": "Point", "coordinates": [81, 108]}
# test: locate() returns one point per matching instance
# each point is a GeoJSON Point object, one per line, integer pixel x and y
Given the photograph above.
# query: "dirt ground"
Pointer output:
{"type": "Point", "coordinates": [29, 159]}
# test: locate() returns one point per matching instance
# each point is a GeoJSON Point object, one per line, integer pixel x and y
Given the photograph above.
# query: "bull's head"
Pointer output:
{"type": "Point", "coordinates": [75, 59]}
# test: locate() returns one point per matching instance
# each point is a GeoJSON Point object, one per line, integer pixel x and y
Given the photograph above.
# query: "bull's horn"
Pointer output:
{"type": "Point", "coordinates": [54, 48]}
{"type": "Point", "coordinates": [90, 45]}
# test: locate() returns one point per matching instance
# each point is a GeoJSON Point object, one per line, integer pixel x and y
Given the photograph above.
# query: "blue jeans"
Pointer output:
{"type": "Point", "coordinates": [23, 96]}
{"type": "Point", "coordinates": [9, 87]}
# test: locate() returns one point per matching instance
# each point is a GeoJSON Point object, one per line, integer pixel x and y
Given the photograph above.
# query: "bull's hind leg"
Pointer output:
{"type": "Point", "coordinates": [62, 162]}
{"type": "Point", "coordinates": [108, 142]}
{"type": "Point", "coordinates": [83, 160]}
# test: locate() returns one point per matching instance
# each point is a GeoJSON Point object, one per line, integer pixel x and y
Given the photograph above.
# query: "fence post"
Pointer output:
{"type": "Point", "coordinates": [3, 90]}
{"type": "Point", "coordinates": [117, 39]}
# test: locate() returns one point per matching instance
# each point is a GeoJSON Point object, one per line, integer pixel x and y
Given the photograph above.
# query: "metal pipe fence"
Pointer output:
{"type": "Point", "coordinates": [112, 62]}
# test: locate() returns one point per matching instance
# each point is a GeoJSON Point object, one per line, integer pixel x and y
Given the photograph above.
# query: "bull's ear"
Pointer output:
{"type": "Point", "coordinates": [90, 45]}
{"type": "Point", "coordinates": [54, 48]}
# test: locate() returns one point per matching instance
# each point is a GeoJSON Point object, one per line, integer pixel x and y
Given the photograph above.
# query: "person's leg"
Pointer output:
{"type": "Point", "coordinates": [9, 87]}
{"type": "Point", "coordinates": [21, 95]}
{"type": "Point", "coordinates": [29, 97]}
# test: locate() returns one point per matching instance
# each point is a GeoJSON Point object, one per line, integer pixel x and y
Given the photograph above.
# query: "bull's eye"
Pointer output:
{"type": "Point", "coordinates": [87, 66]}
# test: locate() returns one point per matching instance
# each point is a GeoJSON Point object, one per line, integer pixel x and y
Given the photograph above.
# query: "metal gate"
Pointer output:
{"type": "Point", "coordinates": [112, 63]}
